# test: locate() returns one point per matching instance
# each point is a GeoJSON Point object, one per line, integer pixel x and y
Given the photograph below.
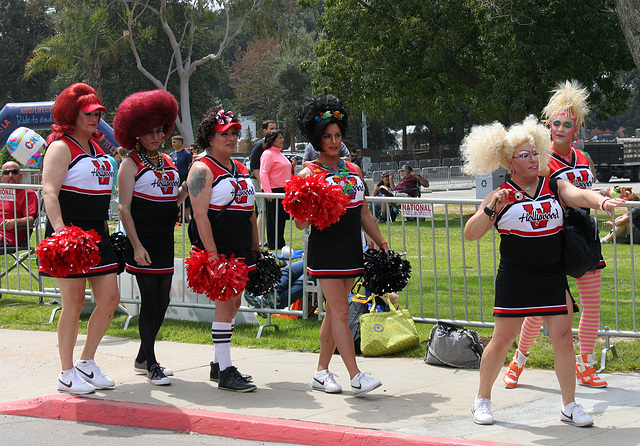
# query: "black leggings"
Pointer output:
{"type": "Point", "coordinates": [275, 236]}
{"type": "Point", "coordinates": [154, 296]}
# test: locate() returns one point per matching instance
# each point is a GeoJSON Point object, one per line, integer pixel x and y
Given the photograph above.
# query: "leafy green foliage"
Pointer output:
{"type": "Point", "coordinates": [83, 41]}
{"type": "Point", "coordinates": [447, 59]}
{"type": "Point", "coordinates": [22, 24]}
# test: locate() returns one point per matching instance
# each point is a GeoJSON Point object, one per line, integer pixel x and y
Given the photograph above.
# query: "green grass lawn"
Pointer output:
{"type": "Point", "coordinates": [449, 267]}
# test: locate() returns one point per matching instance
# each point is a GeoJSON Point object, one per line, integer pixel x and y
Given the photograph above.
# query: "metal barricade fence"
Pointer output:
{"type": "Point", "coordinates": [452, 279]}
{"type": "Point", "coordinates": [439, 177]}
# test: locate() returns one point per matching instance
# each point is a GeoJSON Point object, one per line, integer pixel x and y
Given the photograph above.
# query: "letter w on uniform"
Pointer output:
{"type": "Point", "coordinates": [535, 222]}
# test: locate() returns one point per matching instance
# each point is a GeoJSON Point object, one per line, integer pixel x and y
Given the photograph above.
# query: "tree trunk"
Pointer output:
{"type": "Point", "coordinates": [183, 123]}
{"type": "Point", "coordinates": [629, 14]}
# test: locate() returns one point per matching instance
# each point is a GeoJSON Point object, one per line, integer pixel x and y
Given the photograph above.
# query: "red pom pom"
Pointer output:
{"type": "Point", "coordinates": [220, 279]}
{"type": "Point", "coordinates": [314, 199]}
{"type": "Point", "coordinates": [198, 267]}
{"type": "Point", "coordinates": [71, 250]}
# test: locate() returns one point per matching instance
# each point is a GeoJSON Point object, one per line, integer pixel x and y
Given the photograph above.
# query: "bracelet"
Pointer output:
{"type": "Point", "coordinates": [184, 186]}
{"type": "Point", "coordinates": [602, 201]}
{"type": "Point", "coordinates": [490, 212]}
{"type": "Point", "coordinates": [384, 243]}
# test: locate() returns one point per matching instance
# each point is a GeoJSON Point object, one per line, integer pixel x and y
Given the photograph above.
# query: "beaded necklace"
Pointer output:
{"type": "Point", "coordinates": [340, 176]}
{"type": "Point", "coordinates": [157, 169]}
{"type": "Point", "coordinates": [152, 157]}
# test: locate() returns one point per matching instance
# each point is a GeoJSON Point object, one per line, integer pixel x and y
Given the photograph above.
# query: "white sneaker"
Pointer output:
{"type": "Point", "coordinates": [91, 373]}
{"type": "Point", "coordinates": [573, 413]}
{"type": "Point", "coordinates": [73, 383]}
{"type": "Point", "coordinates": [481, 411]}
{"type": "Point", "coordinates": [361, 384]}
{"type": "Point", "coordinates": [323, 380]}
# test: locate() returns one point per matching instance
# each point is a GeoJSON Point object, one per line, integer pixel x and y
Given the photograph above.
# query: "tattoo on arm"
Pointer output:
{"type": "Point", "coordinates": [197, 183]}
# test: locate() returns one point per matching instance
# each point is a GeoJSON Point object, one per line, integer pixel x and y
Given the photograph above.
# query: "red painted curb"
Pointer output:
{"type": "Point", "coordinates": [74, 408]}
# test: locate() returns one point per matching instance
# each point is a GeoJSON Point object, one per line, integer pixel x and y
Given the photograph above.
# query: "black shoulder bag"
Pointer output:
{"type": "Point", "coordinates": [581, 250]}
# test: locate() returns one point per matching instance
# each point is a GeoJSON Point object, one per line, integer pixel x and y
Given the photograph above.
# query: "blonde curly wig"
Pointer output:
{"type": "Point", "coordinates": [569, 97]}
{"type": "Point", "coordinates": [488, 147]}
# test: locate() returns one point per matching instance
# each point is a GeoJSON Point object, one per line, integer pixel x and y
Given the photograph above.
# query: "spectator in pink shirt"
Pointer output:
{"type": "Point", "coordinates": [275, 170]}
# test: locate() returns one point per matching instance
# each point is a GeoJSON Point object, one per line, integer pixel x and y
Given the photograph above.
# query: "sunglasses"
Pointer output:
{"type": "Point", "coordinates": [11, 172]}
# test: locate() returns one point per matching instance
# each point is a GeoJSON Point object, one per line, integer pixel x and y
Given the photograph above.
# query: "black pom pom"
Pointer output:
{"type": "Point", "coordinates": [385, 272]}
{"type": "Point", "coordinates": [265, 278]}
{"type": "Point", "coordinates": [119, 243]}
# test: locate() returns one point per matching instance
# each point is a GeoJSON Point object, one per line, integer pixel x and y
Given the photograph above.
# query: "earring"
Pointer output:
{"type": "Point", "coordinates": [162, 144]}
{"type": "Point", "coordinates": [138, 148]}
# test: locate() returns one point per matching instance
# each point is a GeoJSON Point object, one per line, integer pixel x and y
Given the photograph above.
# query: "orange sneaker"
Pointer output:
{"type": "Point", "coordinates": [516, 366]}
{"type": "Point", "coordinates": [586, 374]}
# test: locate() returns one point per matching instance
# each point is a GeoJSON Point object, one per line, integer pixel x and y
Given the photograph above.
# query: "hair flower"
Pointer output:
{"type": "Point", "coordinates": [224, 117]}
{"type": "Point", "coordinates": [329, 114]}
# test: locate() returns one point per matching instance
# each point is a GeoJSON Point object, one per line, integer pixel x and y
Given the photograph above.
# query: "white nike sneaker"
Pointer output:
{"type": "Point", "coordinates": [361, 384]}
{"type": "Point", "coordinates": [324, 381]}
{"type": "Point", "coordinates": [74, 384]}
{"type": "Point", "coordinates": [573, 413]}
{"type": "Point", "coordinates": [91, 373]}
{"type": "Point", "coordinates": [481, 411]}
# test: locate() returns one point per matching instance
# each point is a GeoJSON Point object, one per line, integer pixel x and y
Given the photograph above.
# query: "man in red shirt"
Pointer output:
{"type": "Point", "coordinates": [19, 210]}
{"type": "Point", "coordinates": [408, 185]}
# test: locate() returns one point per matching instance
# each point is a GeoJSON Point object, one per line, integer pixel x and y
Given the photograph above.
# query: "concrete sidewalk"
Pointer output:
{"type": "Point", "coordinates": [417, 404]}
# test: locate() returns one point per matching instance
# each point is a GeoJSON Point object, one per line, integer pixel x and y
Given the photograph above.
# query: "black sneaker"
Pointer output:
{"type": "Point", "coordinates": [157, 377]}
{"type": "Point", "coordinates": [215, 371]}
{"type": "Point", "coordinates": [231, 379]}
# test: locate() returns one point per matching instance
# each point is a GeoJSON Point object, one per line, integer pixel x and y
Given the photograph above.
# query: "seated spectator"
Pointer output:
{"type": "Point", "coordinates": [619, 192]}
{"type": "Point", "coordinates": [16, 213]}
{"type": "Point", "coordinates": [408, 185]}
{"type": "Point", "coordinates": [297, 284]}
{"type": "Point", "coordinates": [623, 227]}
{"type": "Point", "coordinates": [384, 189]}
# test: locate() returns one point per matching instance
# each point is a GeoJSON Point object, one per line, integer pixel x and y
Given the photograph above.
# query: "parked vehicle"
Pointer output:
{"type": "Point", "coordinates": [604, 137]}
{"type": "Point", "coordinates": [619, 158]}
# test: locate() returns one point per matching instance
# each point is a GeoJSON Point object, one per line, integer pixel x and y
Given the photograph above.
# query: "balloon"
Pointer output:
{"type": "Point", "coordinates": [27, 147]}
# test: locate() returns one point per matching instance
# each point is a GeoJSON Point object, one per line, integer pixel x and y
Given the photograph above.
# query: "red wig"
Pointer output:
{"type": "Point", "coordinates": [65, 110]}
{"type": "Point", "coordinates": [142, 112]}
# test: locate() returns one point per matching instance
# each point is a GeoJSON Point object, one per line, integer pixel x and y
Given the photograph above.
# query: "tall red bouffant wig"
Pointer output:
{"type": "Point", "coordinates": [66, 107]}
{"type": "Point", "coordinates": [142, 112]}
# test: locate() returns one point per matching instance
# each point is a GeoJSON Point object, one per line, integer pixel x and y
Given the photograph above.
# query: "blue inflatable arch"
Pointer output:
{"type": "Point", "coordinates": [37, 116]}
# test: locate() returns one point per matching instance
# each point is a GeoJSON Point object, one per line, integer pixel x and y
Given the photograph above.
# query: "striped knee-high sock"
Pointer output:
{"type": "Point", "coordinates": [528, 333]}
{"type": "Point", "coordinates": [221, 335]}
{"type": "Point", "coordinates": [589, 288]}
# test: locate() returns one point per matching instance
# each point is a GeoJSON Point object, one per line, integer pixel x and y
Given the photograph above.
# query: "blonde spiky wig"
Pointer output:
{"type": "Point", "coordinates": [488, 147]}
{"type": "Point", "coordinates": [570, 98]}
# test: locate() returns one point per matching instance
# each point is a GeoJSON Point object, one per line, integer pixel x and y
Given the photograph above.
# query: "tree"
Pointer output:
{"type": "Point", "coordinates": [81, 45]}
{"type": "Point", "coordinates": [22, 24]}
{"type": "Point", "coordinates": [269, 80]}
{"type": "Point", "coordinates": [468, 59]}
{"type": "Point", "coordinates": [629, 13]}
{"type": "Point", "coordinates": [253, 80]}
{"type": "Point", "coordinates": [183, 23]}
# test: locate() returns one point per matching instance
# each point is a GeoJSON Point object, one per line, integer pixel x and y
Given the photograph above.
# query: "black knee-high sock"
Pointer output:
{"type": "Point", "coordinates": [154, 294]}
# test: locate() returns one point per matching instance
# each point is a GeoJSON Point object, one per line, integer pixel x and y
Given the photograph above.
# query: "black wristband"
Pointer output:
{"type": "Point", "coordinates": [490, 212]}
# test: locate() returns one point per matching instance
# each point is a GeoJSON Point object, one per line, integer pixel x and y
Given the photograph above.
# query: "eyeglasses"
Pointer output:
{"type": "Point", "coordinates": [11, 172]}
{"type": "Point", "coordinates": [527, 155]}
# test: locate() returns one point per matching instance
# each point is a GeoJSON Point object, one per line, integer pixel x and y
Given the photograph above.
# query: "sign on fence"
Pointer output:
{"type": "Point", "coordinates": [7, 194]}
{"type": "Point", "coordinates": [417, 210]}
